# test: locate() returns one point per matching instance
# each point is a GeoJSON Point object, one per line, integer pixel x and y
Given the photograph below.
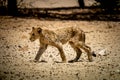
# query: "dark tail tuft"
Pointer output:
{"type": "Point", "coordinates": [93, 54]}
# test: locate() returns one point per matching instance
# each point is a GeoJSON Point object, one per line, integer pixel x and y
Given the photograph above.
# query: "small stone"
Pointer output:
{"type": "Point", "coordinates": [51, 56]}
{"type": "Point", "coordinates": [21, 55]}
{"type": "Point", "coordinates": [19, 46]}
{"type": "Point", "coordinates": [6, 72]}
{"type": "Point", "coordinates": [102, 52]}
{"type": "Point", "coordinates": [118, 71]}
{"type": "Point", "coordinates": [7, 47]}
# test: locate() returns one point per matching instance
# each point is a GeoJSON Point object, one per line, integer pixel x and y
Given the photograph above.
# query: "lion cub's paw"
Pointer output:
{"type": "Point", "coordinates": [63, 61]}
{"type": "Point", "coordinates": [91, 60]}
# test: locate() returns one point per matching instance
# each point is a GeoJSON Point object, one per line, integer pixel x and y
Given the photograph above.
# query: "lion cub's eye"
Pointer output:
{"type": "Point", "coordinates": [33, 34]}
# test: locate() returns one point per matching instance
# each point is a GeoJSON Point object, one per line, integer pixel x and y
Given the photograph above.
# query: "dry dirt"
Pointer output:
{"type": "Point", "coordinates": [17, 52]}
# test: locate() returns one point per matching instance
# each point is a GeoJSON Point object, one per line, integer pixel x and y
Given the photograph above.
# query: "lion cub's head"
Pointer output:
{"type": "Point", "coordinates": [35, 33]}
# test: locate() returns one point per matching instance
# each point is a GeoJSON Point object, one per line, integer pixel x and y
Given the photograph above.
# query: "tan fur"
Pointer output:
{"type": "Point", "coordinates": [74, 35]}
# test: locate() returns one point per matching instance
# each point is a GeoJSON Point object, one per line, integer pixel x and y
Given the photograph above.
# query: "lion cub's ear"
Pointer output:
{"type": "Point", "coordinates": [39, 30]}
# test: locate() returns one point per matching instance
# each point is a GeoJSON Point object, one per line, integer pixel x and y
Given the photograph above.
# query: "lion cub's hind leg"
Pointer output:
{"type": "Point", "coordinates": [78, 52]}
{"type": "Point", "coordinates": [86, 48]}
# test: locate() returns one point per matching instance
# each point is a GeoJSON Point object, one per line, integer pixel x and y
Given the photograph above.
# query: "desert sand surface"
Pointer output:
{"type": "Point", "coordinates": [17, 52]}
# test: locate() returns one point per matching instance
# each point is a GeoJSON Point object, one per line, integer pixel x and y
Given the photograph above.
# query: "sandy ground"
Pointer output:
{"type": "Point", "coordinates": [17, 52]}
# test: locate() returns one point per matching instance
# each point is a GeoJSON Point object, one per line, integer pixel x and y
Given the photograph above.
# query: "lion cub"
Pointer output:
{"type": "Point", "coordinates": [73, 35]}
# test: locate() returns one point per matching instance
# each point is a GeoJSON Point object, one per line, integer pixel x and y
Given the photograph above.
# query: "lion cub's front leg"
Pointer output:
{"type": "Point", "coordinates": [42, 48]}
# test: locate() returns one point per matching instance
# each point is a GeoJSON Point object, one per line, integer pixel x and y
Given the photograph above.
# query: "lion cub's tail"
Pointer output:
{"type": "Point", "coordinates": [83, 38]}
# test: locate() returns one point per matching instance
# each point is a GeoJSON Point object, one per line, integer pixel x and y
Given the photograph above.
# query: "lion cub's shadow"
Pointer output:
{"type": "Point", "coordinates": [42, 61]}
